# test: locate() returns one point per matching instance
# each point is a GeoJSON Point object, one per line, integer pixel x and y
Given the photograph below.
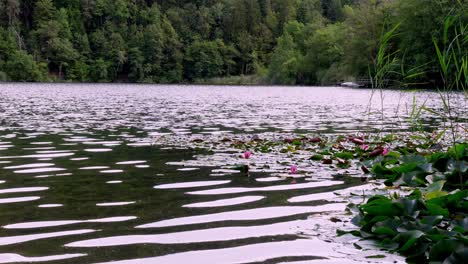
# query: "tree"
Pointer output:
{"type": "Point", "coordinates": [16, 64]}
{"type": "Point", "coordinates": [11, 11]}
{"type": "Point", "coordinates": [300, 41]}
{"type": "Point", "coordinates": [99, 71]}
{"type": "Point", "coordinates": [20, 66]}
{"type": "Point", "coordinates": [203, 59]}
{"type": "Point", "coordinates": [366, 23]}
{"type": "Point", "coordinates": [44, 11]}
{"type": "Point", "coordinates": [324, 55]}
{"type": "Point", "coordinates": [52, 36]}
{"type": "Point", "coordinates": [285, 62]}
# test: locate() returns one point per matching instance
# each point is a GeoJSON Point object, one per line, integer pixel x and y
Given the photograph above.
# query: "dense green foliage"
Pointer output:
{"type": "Point", "coordinates": [283, 41]}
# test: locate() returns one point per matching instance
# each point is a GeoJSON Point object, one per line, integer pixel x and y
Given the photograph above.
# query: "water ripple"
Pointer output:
{"type": "Point", "coordinates": [26, 238]}
{"type": "Point", "coordinates": [248, 214]}
{"type": "Point", "coordinates": [12, 258]}
{"type": "Point", "coordinates": [266, 189]}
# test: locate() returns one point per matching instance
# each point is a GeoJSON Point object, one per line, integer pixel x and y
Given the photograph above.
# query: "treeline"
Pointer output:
{"type": "Point", "coordinates": [173, 41]}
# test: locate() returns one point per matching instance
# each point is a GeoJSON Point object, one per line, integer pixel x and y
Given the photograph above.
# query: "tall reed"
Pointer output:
{"type": "Point", "coordinates": [452, 57]}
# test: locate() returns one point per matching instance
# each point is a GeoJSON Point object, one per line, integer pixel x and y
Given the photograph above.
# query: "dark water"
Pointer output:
{"type": "Point", "coordinates": [102, 173]}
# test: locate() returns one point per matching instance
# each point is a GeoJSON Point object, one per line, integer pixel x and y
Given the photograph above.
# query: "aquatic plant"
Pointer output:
{"type": "Point", "coordinates": [431, 223]}
{"type": "Point", "coordinates": [293, 169]}
{"type": "Point", "coordinates": [385, 151]}
{"type": "Point", "coordinates": [425, 226]}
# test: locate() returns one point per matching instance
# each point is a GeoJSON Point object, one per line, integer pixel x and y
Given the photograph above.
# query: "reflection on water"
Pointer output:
{"type": "Point", "coordinates": [199, 236]}
{"type": "Point", "coordinates": [102, 173]}
{"type": "Point", "coordinates": [25, 189]}
{"type": "Point", "coordinates": [18, 199]}
{"type": "Point", "coordinates": [26, 238]}
{"type": "Point", "coordinates": [190, 184]}
{"type": "Point", "coordinates": [40, 224]}
{"type": "Point", "coordinates": [226, 202]}
{"type": "Point", "coordinates": [249, 214]}
{"type": "Point", "coordinates": [14, 258]}
{"type": "Point", "coordinates": [251, 253]}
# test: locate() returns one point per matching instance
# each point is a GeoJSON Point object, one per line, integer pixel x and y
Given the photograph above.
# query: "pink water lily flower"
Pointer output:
{"type": "Point", "coordinates": [293, 169]}
{"type": "Point", "coordinates": [364, 147]}
{"type": "Point", "coordinates": [385, 151]}
{"type": "Point", "coordinates": [247, 154]}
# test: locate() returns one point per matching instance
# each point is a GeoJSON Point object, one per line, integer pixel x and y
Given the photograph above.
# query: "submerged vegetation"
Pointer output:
{"type": "Point", "coordinates": [275, 41]}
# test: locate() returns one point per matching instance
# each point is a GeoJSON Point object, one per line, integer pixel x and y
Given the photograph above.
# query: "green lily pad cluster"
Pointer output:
{"type": "Point", "coordinates": [431, 223]}
{"type": "Point", "coordinates": [423, 229]}
{"type": "Point", "coordinates": [401, 168]}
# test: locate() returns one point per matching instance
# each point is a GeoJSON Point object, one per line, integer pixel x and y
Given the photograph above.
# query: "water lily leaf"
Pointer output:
{"type": "Point", "coordinates": [426, 167]}
{"type": "Point", "coordinates": [454, 165]}
{"type": "Point", "coordinates": [387, 227]}
{"type": "Point", "coordinates": [459, 150]}
{"type": "Point", "coordinates": [409, 178]}
{"type": "Point", "coordinates": [316, 157]}
{"type": "Point", "coordinates": [389, 244]}
{"type": "Point", "coordinates": [435, 194]}
{"type": "Point", "coordinates": [382, 206]}
{"type": "Point", "coordinates": [381, 171]}
{"type": "Point", "coordinates": [416, 159]}
{"type": "Point", "coordinates": [383, 230]}
{"type": "Point", "coordinates": [344, 155]}
{"type": "Point", "coordinates": [410, 207]}
{"type": "Point", "coordinates": [463, 224]}
{"type": "Point", "coordinates": [436, 186]}
{"type": "Point", "coordinates": [431, 220]}
{"type": "Point", "coordinates": [406, 167]}
{"type": "Point", "coordinates": [443, 249]}
{"type": "Point", "coordinates": [459, 256]}
{"type": "Point", "coordinates": [356, 220]}
{"type": "Point", "coordinates": [340, 232]}
{"type": "Point", "coordinates": [435, 209]}
{"type": "Point", "coordinates": [411, 237]}
{"type": "Point", "coordinates": [393, 154]}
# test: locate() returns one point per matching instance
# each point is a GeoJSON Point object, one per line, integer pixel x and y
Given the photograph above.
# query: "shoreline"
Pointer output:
{"type": "Point", "coordinates": [220, 85]}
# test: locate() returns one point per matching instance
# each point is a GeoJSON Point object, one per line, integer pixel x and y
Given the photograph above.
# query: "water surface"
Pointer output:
{"type": "Point", "coordinates": [101, 173]}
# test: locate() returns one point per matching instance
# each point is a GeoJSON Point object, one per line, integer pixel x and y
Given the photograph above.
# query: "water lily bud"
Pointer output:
{"type": "Point", "coordinates": [376, 152]}
{"type": "Point", "coordinates": [293, 169]}
{"type": "Point", "coordinates": [385, 151]}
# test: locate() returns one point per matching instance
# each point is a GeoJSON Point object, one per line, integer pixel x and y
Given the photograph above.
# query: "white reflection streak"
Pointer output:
{"type": "Point", "coordinates": [327, 195]}
{"type": "Point", "coordinates": [39, 156]}
{"type": "Point", "coordinates": [199, 236]}
{"type": "Point", "coordinates": [226, 202]}
{"type": "Point", "coordinates": [267, 189]}
{"type": "Point", "coordinates": [248, 214]}
{"type": "Point", "coordinates": [23, 189]}
{"type": "Point", "coordinates": [244, 254]}
{"type": "Point", "coordinates": [11, 258]}
{"type": "Point", "coordinates": [33, 165]}
{"type": "Point", "coordinates": [19, 199]}
{"type": "Point", "coordinates": [25, 238]}
{"type": "Point", "coordinates": [40, 224]}
{"type": "Point", "coordinates": [190, 184]}
{"type": "Point", "coordinates": [37, 170]}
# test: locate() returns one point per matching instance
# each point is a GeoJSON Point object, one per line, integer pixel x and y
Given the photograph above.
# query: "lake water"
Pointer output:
{"type": "Point", "coordinates": [144, 174]}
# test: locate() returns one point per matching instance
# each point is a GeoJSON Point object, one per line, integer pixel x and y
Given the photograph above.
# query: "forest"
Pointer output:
{"type": "Point", "coordinates": [293, 42]}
